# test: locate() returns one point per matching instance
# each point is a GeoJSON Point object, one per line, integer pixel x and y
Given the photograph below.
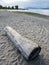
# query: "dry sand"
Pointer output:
{"type": "Point", "coordinates": [31, 27]}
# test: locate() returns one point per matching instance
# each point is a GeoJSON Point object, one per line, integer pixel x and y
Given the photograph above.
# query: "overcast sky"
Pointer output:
{"type": "Point", "coordinates": [25, 3]}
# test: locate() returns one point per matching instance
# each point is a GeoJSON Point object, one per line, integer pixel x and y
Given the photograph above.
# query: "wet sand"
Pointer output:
{"type": "Point", "coordinates": [31, 27]}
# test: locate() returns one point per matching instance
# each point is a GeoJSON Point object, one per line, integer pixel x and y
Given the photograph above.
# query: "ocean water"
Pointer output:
{"type": "Point", "coordinates": [39, 11]}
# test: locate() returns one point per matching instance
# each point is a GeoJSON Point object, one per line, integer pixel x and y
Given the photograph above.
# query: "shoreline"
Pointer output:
{"type": "Point", "coordinates": [27, 12]}
{"type": "Point", "coordinates": [33, 14]}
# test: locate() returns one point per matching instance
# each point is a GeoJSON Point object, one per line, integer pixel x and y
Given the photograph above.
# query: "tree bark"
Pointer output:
{"type": "Point", "coordinates": [28, 48]}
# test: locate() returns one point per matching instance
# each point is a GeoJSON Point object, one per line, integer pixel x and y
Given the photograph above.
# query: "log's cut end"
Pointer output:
{"type": "Point", "coordinates": [34, 53]}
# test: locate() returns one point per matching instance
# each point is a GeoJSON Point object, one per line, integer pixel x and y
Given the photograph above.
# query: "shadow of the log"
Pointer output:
{"type": "Point", "coordinates": [39, 60]}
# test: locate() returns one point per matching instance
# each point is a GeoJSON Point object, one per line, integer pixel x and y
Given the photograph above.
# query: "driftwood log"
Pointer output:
{"type": "Point", "coordinates": [28, 48]}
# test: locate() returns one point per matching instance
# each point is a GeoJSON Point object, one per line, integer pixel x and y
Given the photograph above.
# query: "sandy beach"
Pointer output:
{"type": "Point", "coordinates": [32, 27]}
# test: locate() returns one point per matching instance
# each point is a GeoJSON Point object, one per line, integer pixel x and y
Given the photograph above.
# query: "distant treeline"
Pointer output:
{"type": "Point", "coordinates": [8, 7]}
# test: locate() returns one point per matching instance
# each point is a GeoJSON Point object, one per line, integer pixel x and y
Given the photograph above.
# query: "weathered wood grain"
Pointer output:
{"type": "Point", "coordinates": [28, 48]}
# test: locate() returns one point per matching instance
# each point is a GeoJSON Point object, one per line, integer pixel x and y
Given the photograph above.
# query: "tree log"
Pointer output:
{"type": "Point", "coordinates": [28, 48]}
